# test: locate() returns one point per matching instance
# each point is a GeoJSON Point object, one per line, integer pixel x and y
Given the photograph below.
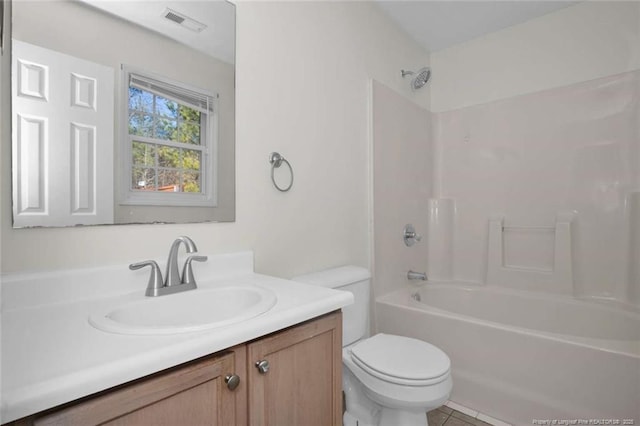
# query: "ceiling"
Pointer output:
{"type": "Point", "coordinates": [434, 24]}
{"type": "Point", "coordinates": [437, 25]}
{"type": "Point", "coordinates": [217, 39]}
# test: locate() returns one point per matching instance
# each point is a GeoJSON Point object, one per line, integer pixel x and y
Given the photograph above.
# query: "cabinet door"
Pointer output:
{"type": "Point", "coordinates": [303, 384]}
{"type": "Point", "coordinates": [195, 394]}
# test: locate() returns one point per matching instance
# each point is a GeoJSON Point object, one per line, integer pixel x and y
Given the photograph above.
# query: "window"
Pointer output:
{"type": "Point", "coordinates": [169, 143]}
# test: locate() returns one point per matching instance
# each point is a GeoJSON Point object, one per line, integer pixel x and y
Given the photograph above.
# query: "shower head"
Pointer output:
{"type": "Point", "coordinates": [421, 78]}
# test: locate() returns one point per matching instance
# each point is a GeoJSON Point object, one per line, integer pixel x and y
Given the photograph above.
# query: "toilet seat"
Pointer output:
{"type": "Point", "coordinates": [396, 395]}
{"type": "Point", "coordinates": [401, 360]}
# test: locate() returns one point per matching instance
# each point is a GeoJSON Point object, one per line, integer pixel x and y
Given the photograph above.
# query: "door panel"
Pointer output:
{"type": "Point", "coordinates": [195, 394]}
{"type": "Point", "coordinates": [63, 143]}
{"type": "Point", "coordinates": [303, 385]}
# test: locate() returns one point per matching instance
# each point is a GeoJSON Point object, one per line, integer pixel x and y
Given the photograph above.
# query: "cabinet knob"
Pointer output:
{"type": "Point", "coordinates": [262, 366]}
{"type": "Point", "coordinates": [232, 381]}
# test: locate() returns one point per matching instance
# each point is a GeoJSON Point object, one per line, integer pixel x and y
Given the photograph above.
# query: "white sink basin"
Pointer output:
{"type": "Point", "coordinates": [193, 310]}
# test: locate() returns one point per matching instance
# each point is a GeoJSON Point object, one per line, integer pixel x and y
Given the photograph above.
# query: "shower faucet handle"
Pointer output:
{"type": "Point", "coordinates": [410, 235]}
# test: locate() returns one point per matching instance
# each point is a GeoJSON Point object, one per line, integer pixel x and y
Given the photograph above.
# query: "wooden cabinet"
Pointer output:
{"type": "Point", "coordinates": [194, 394]}
{"type": "Point", "coordinates": [303, 386]}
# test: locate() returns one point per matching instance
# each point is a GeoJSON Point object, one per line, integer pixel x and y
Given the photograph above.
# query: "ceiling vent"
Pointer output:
{"type": "Point", "coordinates": [183, 20]}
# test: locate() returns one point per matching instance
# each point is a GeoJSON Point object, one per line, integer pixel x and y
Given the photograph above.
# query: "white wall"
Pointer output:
{"type": "Point", "coordinates": [302, 89]}
{"type": "Point", "coordinates": [588, 40]}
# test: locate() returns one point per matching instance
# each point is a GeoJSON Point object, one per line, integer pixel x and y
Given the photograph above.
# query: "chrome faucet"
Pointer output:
{"type": "Point", "coordinates": [173, 283]}
{"type": "Point", "coordinates": [412, 275]}
{"type": "Point", "coordinates": [172, 277]}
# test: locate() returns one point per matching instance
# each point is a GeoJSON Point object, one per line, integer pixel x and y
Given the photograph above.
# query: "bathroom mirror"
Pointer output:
{"type": "Point", "coordinates": [122, 112]}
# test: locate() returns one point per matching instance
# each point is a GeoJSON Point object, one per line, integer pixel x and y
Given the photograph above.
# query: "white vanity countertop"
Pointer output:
{"type": "Point", "coordinates": [52, 355]}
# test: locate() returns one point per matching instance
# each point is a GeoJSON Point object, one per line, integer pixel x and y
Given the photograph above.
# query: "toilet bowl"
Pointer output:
{"type": "Point", "coordinates": [403, 377]}
{"type": "Point", "coordinates": [388, 380]}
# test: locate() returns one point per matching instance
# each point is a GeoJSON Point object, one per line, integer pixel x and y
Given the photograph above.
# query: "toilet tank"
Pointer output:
{"type": "Point", "coordinates": [357, 280]}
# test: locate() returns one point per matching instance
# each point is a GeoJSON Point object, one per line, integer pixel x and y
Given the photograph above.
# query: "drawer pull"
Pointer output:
{"type": "Point", "coordinates": [262, 366]}
{"type": "Point", "coordinates": [232, 381]}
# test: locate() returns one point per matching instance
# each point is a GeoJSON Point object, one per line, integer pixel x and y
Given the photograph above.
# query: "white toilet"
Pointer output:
{"type": "Point", "coordinates": [388, 380]}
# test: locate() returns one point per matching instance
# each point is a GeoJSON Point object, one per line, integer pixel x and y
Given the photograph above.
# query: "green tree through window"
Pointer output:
{"type": "Point", "coordinates": [167, 143]}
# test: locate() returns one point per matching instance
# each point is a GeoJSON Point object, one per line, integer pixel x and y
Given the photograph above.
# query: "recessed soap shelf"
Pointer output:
{"type": "Point", "coordinates": [536, 258]}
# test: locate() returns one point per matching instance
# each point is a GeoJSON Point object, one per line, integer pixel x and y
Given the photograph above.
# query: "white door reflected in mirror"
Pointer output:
{"type": "Point", "coordinates": [62, 138]}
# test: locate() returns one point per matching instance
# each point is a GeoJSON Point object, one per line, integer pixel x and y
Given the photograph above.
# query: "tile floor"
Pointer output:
{"type": "Point", "coordinates": [446, 416]}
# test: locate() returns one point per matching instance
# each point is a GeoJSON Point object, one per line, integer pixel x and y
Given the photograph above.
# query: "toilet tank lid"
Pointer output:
{"type": "Point", "coordinates": [335, 277]}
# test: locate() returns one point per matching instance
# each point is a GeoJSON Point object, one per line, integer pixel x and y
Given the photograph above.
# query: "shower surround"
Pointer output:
{"type": "Point", "coordinates": [538, 196]}
{"type": "Point", "coordinates": [524, 179]}
{"type": "Point", "coordinates": [571, 152]}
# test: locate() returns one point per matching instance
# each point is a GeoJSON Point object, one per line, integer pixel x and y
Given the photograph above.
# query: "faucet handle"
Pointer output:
{"type": "Point", "coordinates": [187, 271]}
{"type": "Point", "coordinates": [410, 235]}
{"type": "Point", "coordinates": [155, 279]}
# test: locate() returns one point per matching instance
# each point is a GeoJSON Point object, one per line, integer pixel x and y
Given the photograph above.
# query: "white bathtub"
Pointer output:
{"type": "Point", "coordinates": [526, 358]}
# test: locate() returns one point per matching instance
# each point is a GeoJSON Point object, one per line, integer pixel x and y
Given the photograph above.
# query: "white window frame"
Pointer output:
{"type": "Point", "coordinates": [208, 173]}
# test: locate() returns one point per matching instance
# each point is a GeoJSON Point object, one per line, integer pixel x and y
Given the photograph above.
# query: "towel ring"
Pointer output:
{"type": "Point", "coordinates": [275, 159]}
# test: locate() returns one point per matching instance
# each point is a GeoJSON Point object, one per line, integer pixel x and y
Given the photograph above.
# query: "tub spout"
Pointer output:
{"type": "Point", "coordinates": [412, 275]}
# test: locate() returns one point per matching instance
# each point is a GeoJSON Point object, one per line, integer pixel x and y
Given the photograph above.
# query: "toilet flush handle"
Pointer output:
{"type": "Point", "coordinates": [262, 366]}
